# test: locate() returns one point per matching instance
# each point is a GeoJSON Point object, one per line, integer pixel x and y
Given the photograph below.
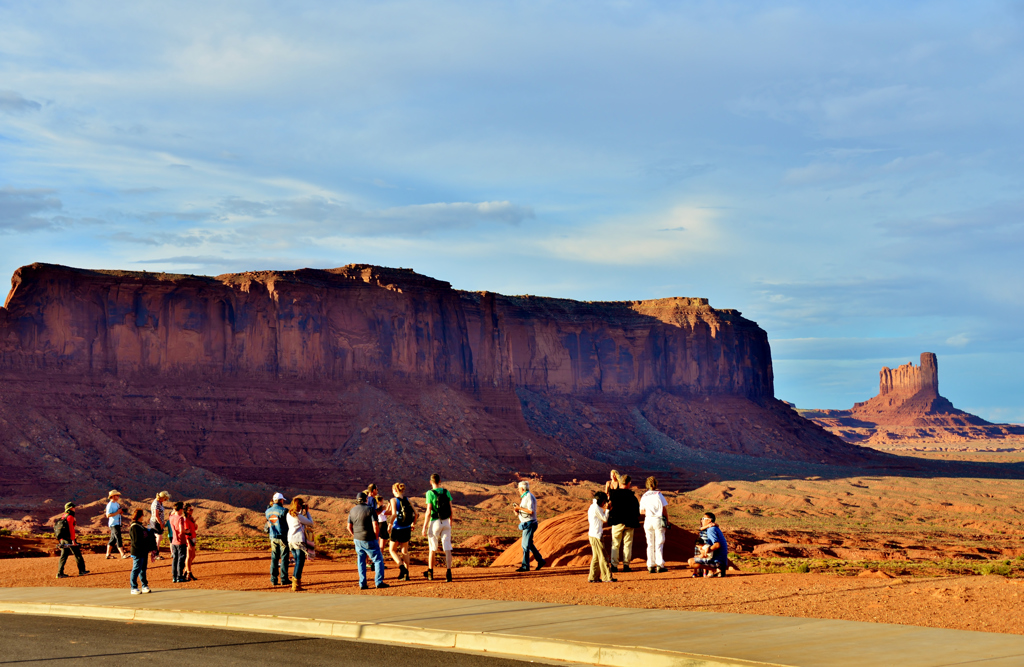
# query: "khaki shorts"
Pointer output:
{"type": "Point", "coordinates": [440, 532]}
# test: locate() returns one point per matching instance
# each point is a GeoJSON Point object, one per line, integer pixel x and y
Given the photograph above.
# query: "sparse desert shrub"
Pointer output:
{"type": "Point", "coordinates": [1001, 569]}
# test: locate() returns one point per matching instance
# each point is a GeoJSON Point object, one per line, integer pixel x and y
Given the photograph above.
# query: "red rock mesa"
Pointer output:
{"type": "Point", "coordinates": [316, 379]}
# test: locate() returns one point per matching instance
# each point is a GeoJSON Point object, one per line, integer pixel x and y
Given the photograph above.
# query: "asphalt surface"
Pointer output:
{"type": "Point", "coordinates": [51, 640]}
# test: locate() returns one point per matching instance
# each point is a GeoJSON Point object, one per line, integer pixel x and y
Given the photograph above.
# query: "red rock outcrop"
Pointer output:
{"type": "Point", "coordinates": [289, 377]}
{"type": "Point", "coordinates": [563, 541]}
{"type": "Point", "coordinates": [908, 408]}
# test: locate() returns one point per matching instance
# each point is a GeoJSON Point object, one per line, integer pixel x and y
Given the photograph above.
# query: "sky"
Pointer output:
{"type": "Point", "coordinates": [848, 175]}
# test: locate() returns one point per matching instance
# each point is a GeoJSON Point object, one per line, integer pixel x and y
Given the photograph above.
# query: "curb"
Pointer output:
{"type": "Point", "coordinates": [481, 643]}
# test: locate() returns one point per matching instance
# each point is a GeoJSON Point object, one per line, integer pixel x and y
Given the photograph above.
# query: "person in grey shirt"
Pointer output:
{"type": "Point", "coordinates": [365, 531]}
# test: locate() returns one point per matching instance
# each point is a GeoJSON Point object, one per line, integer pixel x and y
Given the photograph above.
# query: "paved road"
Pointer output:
{"type": "Point", "coordinates": [51, 640]}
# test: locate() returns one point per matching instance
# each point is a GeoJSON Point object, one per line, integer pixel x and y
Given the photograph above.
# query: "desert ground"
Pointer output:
{"type": "Point", "coordinates": [940, 552]}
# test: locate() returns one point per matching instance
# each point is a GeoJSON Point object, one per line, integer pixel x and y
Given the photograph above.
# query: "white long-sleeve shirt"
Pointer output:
{"type": "Point", "coordinates": [597, 516]}
{"type": "Point", "coordinates": [297, 528]}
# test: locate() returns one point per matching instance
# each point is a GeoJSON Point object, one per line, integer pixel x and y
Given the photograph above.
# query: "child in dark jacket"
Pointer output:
{"type": "Point", "coordinates": [142, 544]}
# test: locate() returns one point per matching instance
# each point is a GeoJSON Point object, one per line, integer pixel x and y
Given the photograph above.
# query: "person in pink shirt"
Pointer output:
{"type": "Point", "coordinates": [190, 542]}
{"type": "Point", "coordinates": [179, 545]}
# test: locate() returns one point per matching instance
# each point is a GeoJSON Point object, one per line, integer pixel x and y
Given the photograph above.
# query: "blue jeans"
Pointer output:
{"type": "Point", "coordinates": [139, 565]}
{"type": "Point", "coordinates": [300, 560]}
{"type": "Point", "coordinates": [365, 550]}
{"type": "Point", "coordinates": [278, 560]}
{"type": "Point", "coordinates": [528, 545]}
{"type": "Point", "coordinates": [178, 554]}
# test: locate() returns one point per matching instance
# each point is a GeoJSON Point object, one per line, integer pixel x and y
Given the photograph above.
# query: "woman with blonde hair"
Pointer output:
{"type": "Point", "coordinates": [654, 509]}
{"type": "Point", "coordinates": [403, 516]}
{"type": "Point", "coordinates": [613, 482]}
{"type": "Point", "coordinates": [298, 519]}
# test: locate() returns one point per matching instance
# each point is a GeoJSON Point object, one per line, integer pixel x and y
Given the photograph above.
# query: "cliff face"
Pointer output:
{"type": "Point", "coordinates": [290, 377]}
{"type": "Point", "coordinates": [370, 323]}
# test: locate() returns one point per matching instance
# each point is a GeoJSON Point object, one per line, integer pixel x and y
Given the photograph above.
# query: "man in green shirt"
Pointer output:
{"type": "Point", "coordinates": [438, 518]}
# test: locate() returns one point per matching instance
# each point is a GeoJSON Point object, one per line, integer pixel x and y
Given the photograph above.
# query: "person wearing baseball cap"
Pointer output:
{"type": "Point", "coordinates": [277, 529]}
{"type": "Point", "coordinates": [114, 512]}
{"type": "Point", "coordinates": [67, 541]}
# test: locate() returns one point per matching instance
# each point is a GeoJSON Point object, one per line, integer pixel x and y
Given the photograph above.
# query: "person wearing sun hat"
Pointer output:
{"type": "Point", "coordinates": [67, 541]}
{"type": "Point", "coordinates": [157, 524]}
{"type": "Point", "coordinates": [114, 512]}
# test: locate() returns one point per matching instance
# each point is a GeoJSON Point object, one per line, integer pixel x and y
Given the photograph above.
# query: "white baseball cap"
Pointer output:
{"type": "Point", "coordinates": [279, 496]}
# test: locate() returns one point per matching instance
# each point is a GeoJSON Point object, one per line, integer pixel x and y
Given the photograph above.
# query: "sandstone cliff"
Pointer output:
{"type": "Point", "coordinates": [908, 408]}
{"type": "Point", "coordinates": [376, 324]}
{"type": "Point", "coordinates": [290, 377]}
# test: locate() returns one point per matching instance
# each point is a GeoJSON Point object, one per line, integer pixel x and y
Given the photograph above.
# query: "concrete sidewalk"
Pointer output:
{"type": "Point", "coordinates": [580, 634]}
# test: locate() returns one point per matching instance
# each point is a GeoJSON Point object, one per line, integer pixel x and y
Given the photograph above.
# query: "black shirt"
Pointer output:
{"type": "Point", "coordinates": [625, 508]}
{"type": "Point", "coordinates": [363, 518]}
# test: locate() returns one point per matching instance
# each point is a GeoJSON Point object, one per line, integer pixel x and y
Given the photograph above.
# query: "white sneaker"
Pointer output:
{"type": "Point", "coordinates": [135, 591]}
{"type": "Point", "coordinates": [145, 589]}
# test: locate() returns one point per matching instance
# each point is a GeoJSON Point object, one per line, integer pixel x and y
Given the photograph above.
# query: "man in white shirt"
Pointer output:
{"type": "Point", "coordinates": [526, 510]}
{"type": "Point", "coordinates": [596, 516]}
{"type": "Point", "coordinates": [654, 509]}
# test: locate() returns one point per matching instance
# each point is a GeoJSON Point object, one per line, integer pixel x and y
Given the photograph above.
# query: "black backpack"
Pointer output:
{"type": "Point", "coordinates": [403, 512]}
{"type": "Point", "coordinates": [62, 530]}
{"type": "Point", "coordinates": [442, 504]}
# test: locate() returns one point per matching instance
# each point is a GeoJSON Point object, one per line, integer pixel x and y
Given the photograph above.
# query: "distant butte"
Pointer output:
{"type": "Point", "coordinates": [908, 408]}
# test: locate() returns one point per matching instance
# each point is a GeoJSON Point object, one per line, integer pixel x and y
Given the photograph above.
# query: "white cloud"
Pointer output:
{"type": "Point", "coordinates": [682, 232]}
{"type": "Point", "coordinates": [959, 340]}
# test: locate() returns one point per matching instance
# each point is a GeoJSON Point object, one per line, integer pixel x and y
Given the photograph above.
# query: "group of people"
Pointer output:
{"type": "Point", "coordinates": [371, 521]}
{"type": "Point", "coordinates": [144, 536]}
{"type": "Point", "coordinates": [374, 519]}
{"type": "Point", "coordinates": [618, 505]}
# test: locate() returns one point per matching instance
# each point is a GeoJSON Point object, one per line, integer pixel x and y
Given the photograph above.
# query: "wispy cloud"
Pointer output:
{"type": "Point", "coordinates": [28, 210]}
{"type": "Point", "coordinates": [682, 232]}
{"type": "Point", "coordinates": [13, 102]}
{"type": "Point", "coordinates": [320, 216]}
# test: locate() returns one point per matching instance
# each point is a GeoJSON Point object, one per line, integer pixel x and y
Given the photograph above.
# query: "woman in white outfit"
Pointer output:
{"type": "Point", "coordinates": [654, 509]}
{"type": "Point", "coordinates": [298, 518]}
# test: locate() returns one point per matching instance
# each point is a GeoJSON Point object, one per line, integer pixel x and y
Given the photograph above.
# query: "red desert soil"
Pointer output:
{"type": "Point", "coordinates": [897, 533]}
{"type": "Point", "coordinates": [966, 603]}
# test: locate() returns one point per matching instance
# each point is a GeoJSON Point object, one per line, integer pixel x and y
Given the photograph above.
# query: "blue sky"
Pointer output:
{"type": "Point", "coordinates": [849, 175]}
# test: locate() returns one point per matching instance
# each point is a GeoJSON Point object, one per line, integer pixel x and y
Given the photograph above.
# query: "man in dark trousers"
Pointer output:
{"type": "Point", "coordinates": [365, 532]}
{"type": "Point", "coordinates": [277, 530]}
{"type": "Point", "coordinates": [67, 541]}
{"type": "Point", "coordinates": [624, 519]}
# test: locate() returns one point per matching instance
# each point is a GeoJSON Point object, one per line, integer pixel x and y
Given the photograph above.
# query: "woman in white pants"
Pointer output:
{"type": "Point", "coordinates": [654, 509]}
